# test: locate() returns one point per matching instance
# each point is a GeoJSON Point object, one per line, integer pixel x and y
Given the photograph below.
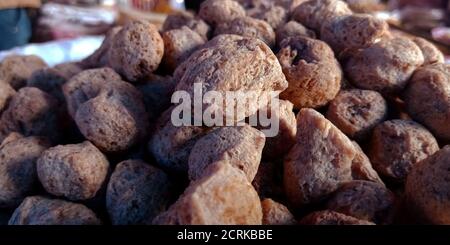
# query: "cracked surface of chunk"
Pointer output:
{"type": "Point", "coordinates": [18, 176]}
{"type": "Point", "coordinates": [136, 51]}
{"type": "Point", "coordinates": [427, 188]}
{"type": "Point", "coordinates": [219, 11]}
{"type": "Point", "coordinates": [328, 217]}
{"type": "Point", "coordinates": [386, 66]}
{"type": "Point", "coordinates": [37, 210]}
{"type": "Point", "coordinates": [319, 162]}
{"type": "Point", "coordinates": [364, 200]}
{"type": "Point", "coordinates": [222, 196]}
{"type": "Point", "coordinates": [179, 44]}
{"type": "Point", "coordinates": [397, 145]}
{"type": "Point", "coordinates": [16, 69]}
{"type": "Point", "coordinates": [136, 193]}
{"type": "Point", "coordinates": [275, 213]}
{"type": "Point", "coordinates": [356, 112]}
{"type": "Point", "coordinates": [240, 146]}
{"type": "Point", "coordinates": [31, 112]}
{"type": "Point", "coordinates": [312, 13]}
{"type": "Point", "coordinates": [248, 27]}
{"type": "Point", "coordinates": [427, 99]}
{"type": "Point", "coordinates": [74, 171]}
{"type": "Point", "coordinates": [313, 73]}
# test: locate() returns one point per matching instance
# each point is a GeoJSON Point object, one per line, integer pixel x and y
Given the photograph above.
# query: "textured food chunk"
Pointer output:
{"type": "Point", "coordinates": [397, 145]}
{"type": "Point", "coordinates": [183, 18]}
{"type": "Point", "coordinates": [427, 99]}
{"type": "Point", "coordinates": [136, 51]}
{"type": "Point", "coordinates": [352, 32]}
{"type": "Point", "coordinates": [319, 162]}
{"type": "Point", "coordinates": [157, 92]}
{"type": "Point", "coordinates": [312, 13]}
{"type": "Point", "coordinates": [275, 16]}
{"type": "Point", "coordinates": [18, 176]}
{"type": "Point", "coordinates": [430, 52]}
{"type": "Point", "coordinates": [364, 200]}
{"type": "Point", "coordinates": [427, 188]}
{"type": "Point", "coordinates": [248, 27]}
{"type": "Point", "coordinates": [37, 210]}
{"type": "Point", "coordinates": [6, 93]}
{"type": "Point", "coordinates": [31, 112]}
{"type": "Point", "coordinates": [292, 29]}
{"type": "Point", "coordinates": [74, 171]}
{"type": "Point", "coordinates": [362, 167]}
{"type": "Point", "coordinates": [136, 193]}
{"type": "Point", "coordinates": [223, 196]}
{"type": "Point", "coordinates": [328, 217]}
{"type": "Point", "coordinates": [356, 112]}
{"type": "Point", "coordinates": [313, 73]}
{"type": "Point", "coordinates": [240, 146]}
{"type": "Point", "coordinates": [386, 66]}
{"type": "Point", "coordinates": [100, 57]}
{"type": "Point", "coordinates": [275, 213]}
{"type": "Point", "coordinates": [219, 11]}
{"type": "Point", "coordinates": [268, 181]}
{"type": "Point", "coordinates": [16, 69]}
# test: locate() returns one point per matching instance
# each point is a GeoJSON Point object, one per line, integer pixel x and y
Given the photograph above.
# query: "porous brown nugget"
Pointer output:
{"type": "Point", "coordinates": [16, 69]}
{"type": "Point", "coordinates": [283, 122]}
{"type": "Point", "coordinates": [366, 6]}
{"type": "Point", "coordinates": [397, 145]}
{"type": "Point", "coordinates": [171, 145]}
{"type": "Point", "coordinates": [275, 213]}
{"type": "Point", "coordinates": [69, 69]}
{"type": "Point", "coordinates": [292, 29]}
{"type": "Point", "coordinates": [116, 119]}
{"type": "Point", "coordinates": [313, 73]}
{"type": "Point", "coordinates": [49, 80]}
{"type": "Point", "coordinates": [74, 171]}
{"type": "Point", "coordinates": [219, 11]}
{"type": "Point", "coordinates": [248, 27]}
{"type": "Point", "coordinates": [430, 52]}
{"type": "Point", "coordinates": [349, 33]}
{"type": "Point", "coordinates": [183, 18]}
{"type": "Point", "coordinates": [356, 112]}
{"type": "Point", "coordinates": [222, 196]}
{"type": "Point", "coordinates": [31, 112]}
{"type": "Point", "coordinates": [232, 63]}
{"type": "Point", "coordinates": [100, 56]}
{"type": "Point", "coordinates": [18, 176]}
{"type": "Point", "coordinates": [136, 51]}
{"type": "Point", "coordinates": [312, 13]}
{"type": "Point", "coordinates": [362, 168]}
{"type": "Point", "coordinates": [38, 210]}
{"type": "Point", "coordinates": [364, 200]}
{"type": "Point", "coordinates": [328, 217]}
{"type": "Point", "coordinates": [157, 92]}
{"type": "Point", "coordinates": [179, 44]}
{"type": "Point", "coordinates": [6, 93]}
{"type": "Point", "coordinates": [386, 66]}
{"type": "Point", "coordinates": [427, 188]}
{"type": "Point", "coordinates": [136, 193]}
{"type": "Point", "coordinates": [85, 86]}
{"type": "Point", "coordinates": [274, 15]}
{"type": "Point", "coordinates": [427, 98]}
{"type": "Point", "coordinates": [319, 162]}
{"type": "Point", "coordinates": [240, 146]}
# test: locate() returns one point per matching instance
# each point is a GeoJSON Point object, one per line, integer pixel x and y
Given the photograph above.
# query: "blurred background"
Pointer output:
{"type": "Point", "coordinates": [67, 30]}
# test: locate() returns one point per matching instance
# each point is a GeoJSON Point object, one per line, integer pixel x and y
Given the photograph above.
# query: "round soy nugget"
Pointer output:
{"type": "Point", "coordinates": [386, 66]}
{"type": "Point", "coordinates": [16, 69]}
{"type": "Point", "coordinates": [427, 188]}
{"type": "Point", "coordinates": [313, 73]}
{"type": "Point", "coordinates": [136, 51]}
{"type": "Point", "coordinates": [38, 210]}
{"type": "Point", "coordinates": [136, 193]}
{"type": "Point", "coordinates": [215, 12]}
{"type": "Point", "coordinates": [398, 145]}
{"type": "Point", "coordinates": [356, 112]}
{"type": "Point", "coordinates": [18, 178]}
{"type": "Point", "coordinates": [74, 171]}
{"type": "Point", "coordinates": [427, 99]}
{"type": "Point", "coordinates": [430, 52]}
{"type": "Point", "coordinates": [183, 18]}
